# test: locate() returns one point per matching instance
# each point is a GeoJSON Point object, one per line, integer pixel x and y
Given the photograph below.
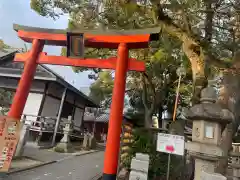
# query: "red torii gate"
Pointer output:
{"type": "Point", "coordinates": [121, 40]}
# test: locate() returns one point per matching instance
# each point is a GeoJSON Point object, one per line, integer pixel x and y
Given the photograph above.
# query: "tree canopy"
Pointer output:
{"type": "Point", "coordinates": [207, 29]}
{"type": "Point", "coordinates": [202, 34]}
{"type": "Point", "coordinates": [5, 95]}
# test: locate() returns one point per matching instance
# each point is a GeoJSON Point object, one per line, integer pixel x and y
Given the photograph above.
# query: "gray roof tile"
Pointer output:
{"type": "Point", "coordinates": [6, 52]}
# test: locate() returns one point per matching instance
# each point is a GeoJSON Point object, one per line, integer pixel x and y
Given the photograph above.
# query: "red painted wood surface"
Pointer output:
{"type": "Point", "coordinates": [116, 113]}
{"type": "Point", "coordinates": [24, 84]}
{"type": "Point", "coordinates": [110, 63]}
{"type": "Point", "coordinates": [95, 41]}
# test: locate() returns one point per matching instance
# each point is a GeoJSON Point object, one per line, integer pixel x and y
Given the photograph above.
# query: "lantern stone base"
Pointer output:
{"type": "Point", "coordinates": [212, 176]}
{"type": "Point", "coordinates": [206, 157]}
{"type": "Point", "coordinates": [86, 142]}
{"type": "Point", "coordinates": [64, 147]}
{"type": "Point", "coordinates": [92, 142]}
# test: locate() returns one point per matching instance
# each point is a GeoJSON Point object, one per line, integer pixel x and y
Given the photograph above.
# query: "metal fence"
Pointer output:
{"type": "Point", "coordinates": [43, 124]}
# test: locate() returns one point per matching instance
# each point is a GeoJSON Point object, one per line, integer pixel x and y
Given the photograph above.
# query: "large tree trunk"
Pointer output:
{"type": "Point", "coordinates": [149, 109]}
{"type": "Point", "coordinates": [194, 54]}
{"type": "Point", "coordinates": [229, 96]}
{"type": "Point", "coordinates": [226, 145]}
{"type": "Point", "coordinates": [148, 119]}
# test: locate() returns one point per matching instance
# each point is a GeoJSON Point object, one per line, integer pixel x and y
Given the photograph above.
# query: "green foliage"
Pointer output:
{"type": "Point", "coordinates": [5, 100]}
{"type": "Point", "coordinates": [5, 95]}
{"type": "Point", "coordinates": [197, 21]}
{"type": "Point", "coordinates": [161, 60]}
{"type": "Point", "coordinates": [135, 117]}
{"type": "Point", "coordinates": [159, 56]}
{"type": "Point", "coordinates": [3, 46]}
{"type": "Point", "coordinates": [64, 51]}
{"type": "Point", "coordinates": [44, 8]}
{"type": "Point", "coordinates": [101, 89]}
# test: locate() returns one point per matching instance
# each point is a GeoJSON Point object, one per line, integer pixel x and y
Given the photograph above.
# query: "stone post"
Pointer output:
{"type": "Point", "coordinates": [92, 142]}
{"type": "Point", "coordinates": [86, 141]}
{"type": "Point", "coordinates": [212, 176]}
{"type": "Point", "coordinates": [226, 145]}
{"type": "Point", "coordinates": [235, 162]}
{"type": "Point", "coordinates": [209, 121]}
{"type": "Point", "coordinates": [139, 167]}
{"type": "Point", "coordinates": [65, 144]}
{"type": "Point", "coordinates": [24, 134]}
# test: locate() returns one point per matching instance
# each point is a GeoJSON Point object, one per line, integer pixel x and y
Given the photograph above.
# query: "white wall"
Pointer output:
{"type": "Point", "coordinates": [32, 106]}
{"type": "Point", "coordinates": [50, 107]}
{"type": "Point", "coordinates": [78, 115]}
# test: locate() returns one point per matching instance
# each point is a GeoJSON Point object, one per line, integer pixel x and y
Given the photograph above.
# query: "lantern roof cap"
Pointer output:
{"type": "Point", "coordinates": [208, 109]}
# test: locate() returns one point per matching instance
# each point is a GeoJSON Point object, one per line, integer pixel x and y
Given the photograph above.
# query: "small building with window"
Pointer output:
{"type": "Point", "coordinates": [48, 90]}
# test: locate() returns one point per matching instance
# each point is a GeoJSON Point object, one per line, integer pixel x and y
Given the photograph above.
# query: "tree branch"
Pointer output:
{"type": "Point", "coordinates": [194, 40]}
{"type": "Point", "coordinates": [208, 21]}
{"type": "Point", "coordinates": [153, 104]}
{"type": "Point", "coordinates": [173, 29]}
{"type": "Point", "coordinates": [144, 93]}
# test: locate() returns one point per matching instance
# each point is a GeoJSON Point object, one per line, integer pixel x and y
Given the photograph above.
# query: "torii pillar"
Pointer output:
{"type": "Point", "coordinates": [121, 40]}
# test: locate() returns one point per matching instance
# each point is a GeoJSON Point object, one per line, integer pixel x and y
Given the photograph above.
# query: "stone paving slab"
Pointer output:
{"type": "Point", "coordinates": [34, 157]}
{"type": "Point", "coordinates": [23, 163]}
{"type": "Point", "coordinates": [43, 155]}
{"type": "Point", "coordinates": [84, 167]}
{"type": "Point", "coordinates": [47, 155]}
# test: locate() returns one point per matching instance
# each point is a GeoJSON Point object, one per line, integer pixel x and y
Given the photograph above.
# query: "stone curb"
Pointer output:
{"type": "Point", "coordinates": [97, 177]}
{"type": "Point", "coordinates": [94, 151]}
{"type": "Point", "coordinates": [47, 163]}
{"type": "Point", "coordinates": [30, 167]}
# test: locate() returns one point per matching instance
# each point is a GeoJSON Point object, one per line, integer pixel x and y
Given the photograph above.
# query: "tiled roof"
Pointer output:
{"type": "Point", "coordinates": [6, 52]}
{"type": "Point", "coordinates": [89, 117]}
{"type": "Point", "coordinates": [103, 118]}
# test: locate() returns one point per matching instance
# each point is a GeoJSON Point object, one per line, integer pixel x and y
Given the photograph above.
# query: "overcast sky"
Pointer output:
{"type": "Point", "coordinates": [19, 12]}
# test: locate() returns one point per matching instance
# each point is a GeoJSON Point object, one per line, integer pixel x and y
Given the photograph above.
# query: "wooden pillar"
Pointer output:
{"type": "Point", "coordinates": [59, 116]}
{"type": "Point", "coordinates": [116, 115]}
{"type": "Point", "coordinates": [25, 82]}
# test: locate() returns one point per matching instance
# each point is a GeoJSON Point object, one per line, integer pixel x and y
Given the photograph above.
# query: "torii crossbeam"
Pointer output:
{"type": "Point", "coordinates": [121, 40]}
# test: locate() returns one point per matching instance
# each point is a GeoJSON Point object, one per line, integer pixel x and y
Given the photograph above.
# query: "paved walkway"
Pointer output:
{"type": "Point", "coordinates": [83, 167]}
{"type": "Point", "coordinates": [42, 155]}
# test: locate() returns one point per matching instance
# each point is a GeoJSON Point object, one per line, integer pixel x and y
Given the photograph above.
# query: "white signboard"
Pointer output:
{"type": "Point", "coordinates": [169, 143]}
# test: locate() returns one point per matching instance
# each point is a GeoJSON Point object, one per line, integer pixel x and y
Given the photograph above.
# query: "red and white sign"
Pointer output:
{"type": "Point", "coordinates": [171, 144]}
{"type": "Point", "coordinates": [9, 136]}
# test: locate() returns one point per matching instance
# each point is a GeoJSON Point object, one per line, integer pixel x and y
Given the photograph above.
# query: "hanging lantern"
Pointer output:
{"type": "Point", "coordinates": [166, 115]}
{"type": "Point", "coordinates": [181, 71]}
{"type": "Point", "coordinates": [166, 118]}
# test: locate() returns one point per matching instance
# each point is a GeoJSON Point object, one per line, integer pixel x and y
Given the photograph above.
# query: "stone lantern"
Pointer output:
{"type": "Point", "coordinates": [166, 118]}
{"type": "Point", "coordinates": [209, 121]}
{"type": "Point", "coordinates": [65, 145]}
